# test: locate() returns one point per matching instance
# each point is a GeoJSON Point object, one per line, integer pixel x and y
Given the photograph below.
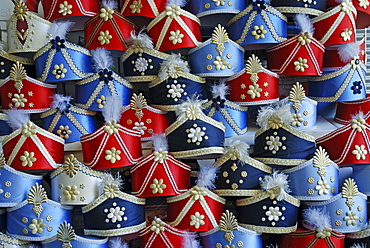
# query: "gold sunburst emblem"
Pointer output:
{"type": "Point", "coordinates": [36, 197]}
{"type": "Point", "coordinates": [66, 234]}
{"type": "Point", "coordinates": [296, 95]}
{"type": "Point", "coordinates": [253, 67]}
{"type": "Point", "coordinates": [219, 37]}
{"type": "Point", "coordinates": [20, 10]}
{"type": "Point", "coordinates": [349, 191]}
{"type": "Point", "coordinates": [138, 103]}
{"type": "Point", "coordinates": [228, 224]}
{"type": "Point", "coordinates": [18, 74]}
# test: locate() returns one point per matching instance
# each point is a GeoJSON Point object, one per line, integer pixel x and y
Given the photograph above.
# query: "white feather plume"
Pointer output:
{"type": "Point", "coordinates": [268, 2]}
{"type": "Point", "coordinates": [112, 109]}
{"type": "Point", "coordinates": [33, 246]}
{"type": "Point", "coordinates": [60, 102]}
{"type": "Point", "coordinates": [17, 118]}
{"type": "Point", "coordinates": [264, 114]}
{"type": "Point", "coordinates": [60, 28]}
{"type": "Point", "coordinates": [101, 59]}
{"type": "Point", "coordinates": [220, 90]}
{"type": "Point", "coordinates": [239, 146]}
{"type": "Point", "coordinates": [160, 142]}
{"type": "Point", "coordinates": [181, 109]}
{"type": "Point", "coordinates": [348, 51]}
{"type": "Point", "coordinates": [316, 218]}
{"type": "Point", "coordinates": [117, 242]}
{"type": "Point", "coordinates": [190, 241]}
{"type": "Point", "coordinates": [112, 4]}
{"type": "Point", "coordinates": [140, 39]}
{"type": "Point", "coordinates": [276, 179]}
{"type": "Point", "coordinates": [304, 23]}
{"type": "Point", "coordinates": [180, 3]}
{"type": "Point", "coordinates": [359, 245]}
{"type": "Point", "coordinates": [172, 65]}
{"type": "Point", "coordinates": [206, 176]}
{"type": "Point", "coordinates": [108, 179]}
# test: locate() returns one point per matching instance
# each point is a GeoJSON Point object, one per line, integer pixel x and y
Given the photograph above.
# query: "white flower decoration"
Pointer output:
{"type": "Point", "coordinates": [157, 226]}
{"type": "Point", "coordinates": [196, 134]}
{"type": "Point", "coordinates": [115, 213]}
{"type": "Point", "coordinates": [220, 63]}
{"type": "Point", "coordinates": [65, 8]}
{"type": "Point", "coordinates": [111, 190]}
{"type": "Point", "coordinates": [111, 127]}
{"type": "Point", "coordinates": [197, 220]}
{"type": "Point", "coordinates": [113, 155]}
{"type": "Point", "coordinates": [304, 38]}
{"type": "Point", "coordinates": [104, 37]}
{"type": "Point", "coordinates": [259, 32]}
{"type": "Point", "coordinates": [358, 124]}
{"type": "Point", "coordinates": [301, 64]}
{"type": "Point", "coordinates": [59, 71]}
{"type": "Point", "coordinates": [176, 91]}
{"type": "Point", "coordinates": [28, 158]}
{"type": "Point", "coordinates": [140, 126]}
{"type": "Point", "coordinates": [71, 192]}
{"type": "Point", "coordinates": [28, 129]}
{"type": "Point", "coordinates": [157, 186]}
{"type": "Point", "coordinates": [106, 13]}
{"type": "Point", "coordinates": [101, 101]}
{"type": "Point", "coordinates": [273, 144]}
{"type": "Point", "coordinates": [198, 193]}
{"type": "Point", "coordinates": [351, 218]}
{"type": "Point", "coordinates": [254, 91]}
{"type": "Point", "coordinates": [323, 187]}
{"type": "Point", "coordinates": [160, 155]}
{"type": "Point", "coordinates": [36, 226]}
{"type": "Point", "coordinates": [219, 2]}
{"type": "Point", "coordinates": [273, 214]}
{"type": "Point", "coordinates": [19, 100]}
{"type": "Point", "coordinates": [360, 152]}
{"type": "Point", "coordinates": [173, 11]}
{"type": "Point", "coordinates": [346, 34]}
{"type": "Point", "coordinates": [141, 64]}
{"type": "Point", "coordinates": [323, 232]}
{"type": "Point", "coordinates": [136, 7]}
{"type": "Point", "coordinates": [346, 7]}
{"type": "Point", "coordinates": [364, 3]}
{"type": "Point", "coordinates": [355, 62]}
{"type": "Point", "coordinates": [176, 37]}
{"type": "Point", "coordinates": [297, 120]}
{"type": "Point", "coordinates": [64, 132]}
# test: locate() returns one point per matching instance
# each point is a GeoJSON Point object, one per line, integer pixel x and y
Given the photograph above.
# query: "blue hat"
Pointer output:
{"type": "Point", "coordinates": [345, 84]}
{"type": "Point", "coordinates": [218, 56]}
{"type": "Point", "coordinates": [303, 109]}
{"type": "Point", "coordinates": [68, 237]}
{"type": "Point", "coordinates": [347, 210]}
{"type": "Point", "coordinates": [230, 114]}
{"type": "Point", "coordinates": [274, 210]}
{"type": "Point", "coordinates": [67, 121]}
{"type": "Point", "coordinates": [91, 92]}
{"type": "Point", "coordinates": [222, 11]}
{"type": "Point", "coordinates": [5, 129]}
{"type": "Point", "coordinates": [229, 234]}
{"type": "Point", "coordinates": [361, 175]}
{"type": "Point", "coordinates": [313, 8]}
{"type": "Point", "coordinates": [279, 144]}
{"type": "Point", "coordinates": [239, 174]}
{"type": "Point", "coordinates": [141, 62]}
{"type": "Point", "coordinates": [7, 241]}
{"type": "Point", "coordinates": [194, 135]}
{"type": "Point", "coordinates": [259, 25]}
{"type": "Point", "coordinates": [36, 218]}
{"type": "Point", "coordinates": [60, 60]}
{"type": "Point", "coordinates": [114, 212]}
{"type": "Point", "coordinates": [314, 180]}
{"type": "Point", "coordinates": [14, 185]}
{"type": "Point", "coordinates": [174, 84]}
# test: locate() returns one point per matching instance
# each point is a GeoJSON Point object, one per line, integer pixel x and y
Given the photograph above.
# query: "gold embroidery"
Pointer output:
{"type": "Point", "coordinates": [349, 191]}
{"type": "Point", "coordinates": [66, 234]}
{"type": "Point", "coordinates": [228, 224]}
{"type": "Point", "coordinates": [297, 94]}
{"type": "Point", "coordinates": [137, 103]}
{"type": "Point", "coordinates": [18, 74]}
{"type": "Point", "coordinates": [36, 197]}
{"type": "Point", "coordinates": [20, 10]}
{"type": "Point", "coordinates": [253, 67]}
{"type": "Point", "coordinates": [219, 37]}
{"type": "Point", "coordinates": [320, 161]}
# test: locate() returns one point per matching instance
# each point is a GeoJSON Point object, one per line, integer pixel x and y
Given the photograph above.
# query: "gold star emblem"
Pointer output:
{"type": "Point", "coordinates": [30, 93]}
{"type": "Point", "coordinates": [243, 86]}
{"type": "Point", "coordinates": [10, 95]}
{"type": "Point", "coordinates": [31, 104]}
{"type": "Point", "coordinates": [266, 94]}
{"type": "Point", "coordinates": [234, 167]}
{"type": "Point", "coordinates": [242, 96]}
{"type": "Point", "coordinates": [266, 84]}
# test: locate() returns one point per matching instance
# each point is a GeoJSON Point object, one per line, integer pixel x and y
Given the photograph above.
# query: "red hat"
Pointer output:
{"type": "Point", "coordinates": [363, 13]}
{"type": "Point", "coordinates": [336, 26]}
{"type": "Point", "coordinates": [346, 110]}
{"type": "Point", "coordinates": [56, 9]}
{"type": "Point", "coordinates": [175, 28]}
{"type": "Point", "coordinates": [254, 85]}
{"type": "Point", "coordinates": [23, 92]}
{"type": "Point", "coordinates": [147, 9]}
{"type": "Point", "coordinates": [108, 29]}
{"type": "Point", "coordinates": [349, 144]}
{"type": "Point", "coordinates": [30, 147]}
{"type": "Point", "coordinates": [141, 117]}
{"type": "Point", "coordinates": [160, 174]}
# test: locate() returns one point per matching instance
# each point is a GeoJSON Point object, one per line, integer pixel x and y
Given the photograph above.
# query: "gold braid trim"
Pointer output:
{"type": "Point", "coordinates": [116, 232]}
{"type": "Point", "coordinates": [266, 229]}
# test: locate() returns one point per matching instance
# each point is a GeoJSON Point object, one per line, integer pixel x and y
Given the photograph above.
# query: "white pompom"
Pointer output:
{"type": "Point", "coordinates": [159, 142]}
{"type": "Point", "coordinates": [17, 118]}
{"type": "Point", "coordinates": [180, 3]}
{"type": "Point", "coordinates": [206, 176]}
{"type": "Point", "coordinates": [304, 23]}
{"type": "Point", "coordinates": [141, 40]}
{"type": "Point", "coordinates": [276, 179]}
{"type": "Point", "coordinates": [60, 28]}
{"type": "Point", "coordinates": [112, 109]}
{"type": "Point", "coordinates": [220, 90]}
{"type": "Point", "coordinates": [348, 51]}
{"type": "Point", "coordinates": [101, 59]}
{"type": "Point", "coordinates": [190, 241]}
{"type": "Point", "coordinates": [172, 66]}
{"type": "Point", "coordinates": [112, 4]}
{"type": "Point", "coordinates": [265, 113]}
{"type": "Point", "coordinates": [60, 102]}
{"type": "Point", "coordinates": [117, 242]}
{"type": "Point", "coordinates": [316, 218]}
{"type": "Point", "coordinates": [108, 179]}
{"type": "Point", "coordinates": [239, 146]}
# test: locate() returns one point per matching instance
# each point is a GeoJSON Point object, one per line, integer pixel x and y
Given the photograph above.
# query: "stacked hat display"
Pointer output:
{"type": "Point", "coordinates": [133, 123]}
